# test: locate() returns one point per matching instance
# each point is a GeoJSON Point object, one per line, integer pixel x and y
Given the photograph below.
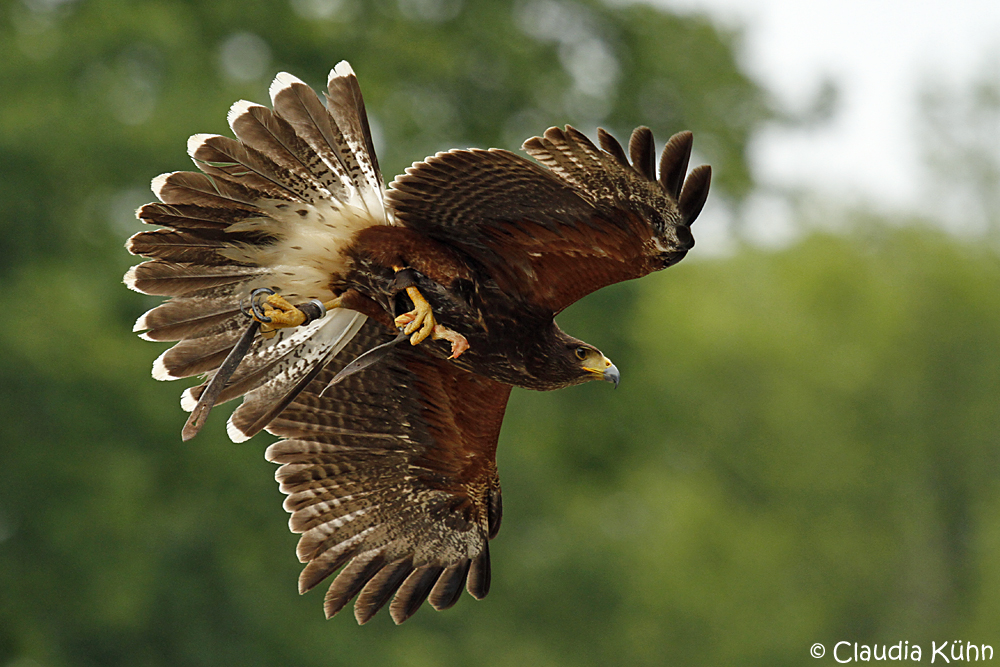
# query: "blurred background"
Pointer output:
{"type": "Point", "coordinates": [804, 446]}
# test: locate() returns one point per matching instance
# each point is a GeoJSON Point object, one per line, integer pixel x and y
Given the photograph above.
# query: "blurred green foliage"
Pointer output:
{"type": "Point", "coordinates": [803, 447]}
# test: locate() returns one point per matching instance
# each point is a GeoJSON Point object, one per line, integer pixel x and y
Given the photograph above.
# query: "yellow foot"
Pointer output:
{"type": "Point", "coordinates": [419, 321]}
{"type": "Point", "coordinates": [281, 315]}
{"type": "Point", "coordinates": [275, 312]}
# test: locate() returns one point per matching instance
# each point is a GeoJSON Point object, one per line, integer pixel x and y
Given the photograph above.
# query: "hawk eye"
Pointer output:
{"type": "Point", "coordinates": [581, 353]}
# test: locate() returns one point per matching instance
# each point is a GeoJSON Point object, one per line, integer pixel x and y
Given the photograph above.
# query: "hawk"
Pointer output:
{"type": "Point", "coordinates": [294, 274]}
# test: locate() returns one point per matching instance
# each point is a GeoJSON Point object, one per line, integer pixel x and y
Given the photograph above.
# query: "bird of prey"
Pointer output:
{"type": "Point", "coordinates": [378, 331]}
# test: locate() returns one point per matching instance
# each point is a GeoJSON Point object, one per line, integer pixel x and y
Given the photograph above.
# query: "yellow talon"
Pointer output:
{"type": "Point", "coordinates": [419, 321]}
{"type": "Point", "coordinates": [282, 314]}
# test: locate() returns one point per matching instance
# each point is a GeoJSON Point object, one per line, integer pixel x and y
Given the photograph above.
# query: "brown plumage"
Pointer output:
{"type": "Point", "coordinates": [390, 474]}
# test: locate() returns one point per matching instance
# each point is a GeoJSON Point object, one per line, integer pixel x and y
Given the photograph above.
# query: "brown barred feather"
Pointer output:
{"type": "Point", "coordinates": [232, 160]}
{"type": "Point", "coordinates": [612, 147]}
{"type": "Point", "coordinates": [495, 513]}
{"type": "Point", "coordinates": [296, 104]}
{"type": "Point", "coordinates": [165, 278]}
{"type": "Point", "coordinates": [413, 592]}
{"type": "Point", "coordinates": [328, 562]}
{"type": "Point", "coordinates": [695, 193]}
{"type": "Point", "coordinates": [183, 318]}
{"type": "Point", "coordinates": [674, 163]}
{"type": "Point", "coordinates": [449, 586]}
{"type": "Point", "coordinates": [192, 357]}
{"type": "Point", "coordinates": [194, 216]}
{"type": "Point", "coordinates": [188, 187]}
{"type": "Point", "coordinates": [478, 583]}
{"type": "Point", "coordinates": [178, 246]}
{"type": "Point", "coordinates": [347, 106]}
{"type": "Point", "coordinates": [351, 580]}
{"type": "Point", "coordinates": [643, 152]}
{"type": "Point", "coordinates": [380, 589]}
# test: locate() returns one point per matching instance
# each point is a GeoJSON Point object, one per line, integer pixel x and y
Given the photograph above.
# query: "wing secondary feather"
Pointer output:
{"type": "Point", "coordinates": [392, 473]}
{"type": "Point", "coordinates": [552, 235]}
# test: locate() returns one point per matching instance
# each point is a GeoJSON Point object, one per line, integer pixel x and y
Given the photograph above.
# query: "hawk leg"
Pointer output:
{"type": "Point", "coordinates": [420, 323]}
{"type": "Point", "coordinates": [275, 312]}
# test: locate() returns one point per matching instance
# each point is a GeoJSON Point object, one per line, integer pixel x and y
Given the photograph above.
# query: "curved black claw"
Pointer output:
{"type": "Point", "coordinates": [255, 310]}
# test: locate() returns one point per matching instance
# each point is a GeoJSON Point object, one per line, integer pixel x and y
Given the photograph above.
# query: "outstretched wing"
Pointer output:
{"type": "Point", "coordinates": [271, 208]}
{"type": "Point", "coordinates": [553, 235]}
{"type": "Point", "coordinates": [391, 475]}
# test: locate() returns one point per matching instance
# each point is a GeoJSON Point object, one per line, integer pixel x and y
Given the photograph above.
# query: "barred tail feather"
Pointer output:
{"type": "Point", "coordinates": [275, 207]}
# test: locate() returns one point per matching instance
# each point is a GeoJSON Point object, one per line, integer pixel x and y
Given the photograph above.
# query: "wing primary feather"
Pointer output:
{"type": "Point", "coordinates": [449, 585]}
{"type": "Point", "coordinates": [328, 562]}
{"type": "Point", "coordinates": [413, 592]}
{"type": "Point", "coordinates": [612, 147]}
{"type": "Point", "coordinates": [478, 583]}
{"type": "Point", "coordinates": [494, 513]}
{"type": "Point", "coordinates": [674, 163]}
{"type": "Point", "coordinates": [643, 152]}
{"type": "Point", "coordinates": [196, 420]}
{"type": "Point", "coordinates": [381, 587]}
{"type": "Point", "coordinates": [694, 193]}
{"type": "Point", "coordinates": [351, 580]}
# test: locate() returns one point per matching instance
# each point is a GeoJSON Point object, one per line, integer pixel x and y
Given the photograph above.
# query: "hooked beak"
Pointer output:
{"type": "Point", "coordinates": [611, 374]}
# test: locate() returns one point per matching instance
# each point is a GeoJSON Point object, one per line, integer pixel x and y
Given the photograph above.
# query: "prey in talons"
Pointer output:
{"type": "Point", "coordinates": [419, 323]}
